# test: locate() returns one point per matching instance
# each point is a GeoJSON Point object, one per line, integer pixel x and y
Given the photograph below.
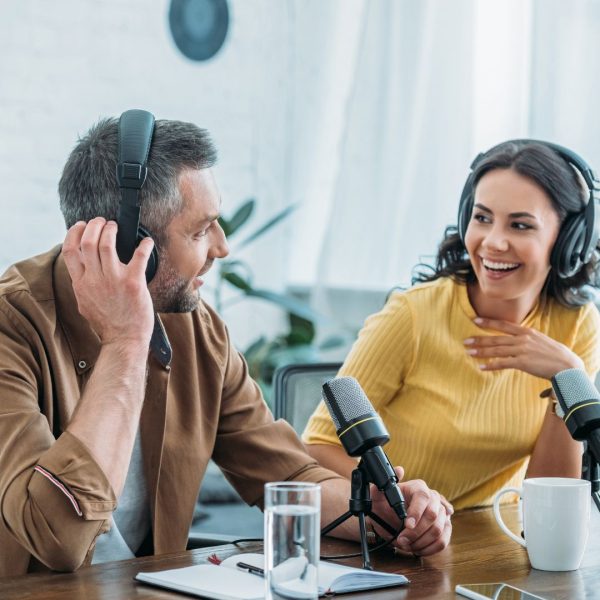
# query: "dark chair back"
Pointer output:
{"type": "Point", "coordinates": [297, 390]}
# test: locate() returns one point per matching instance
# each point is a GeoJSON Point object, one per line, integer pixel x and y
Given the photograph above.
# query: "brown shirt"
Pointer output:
{"type": "Point", "coordinates": [54, 498]}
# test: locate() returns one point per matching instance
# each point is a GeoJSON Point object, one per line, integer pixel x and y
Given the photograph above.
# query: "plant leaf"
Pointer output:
{"type": "Point", "coordinates": [237, 281]}
{"type": "Point", "coordinates": [235, 266]}
{"type": "Point", "coordinates": [297, 338]}
{"type": "Point", "coordinates": [334, 341]}
{"type": "Point", "coordinates": [255, 347]}
{"type": "Point", "coordinates": [242, 214]}
{"type": "Point", "coordinates": [224, 223]}
{"type": "Point", "coordinates": [290, 304]}
{"type": "Point", "coordinates": [302, 331]}
{"type": "Point", "coordinates": [268, 225]}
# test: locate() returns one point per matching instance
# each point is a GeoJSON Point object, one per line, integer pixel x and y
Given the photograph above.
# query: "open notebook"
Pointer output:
{"type": "Point", "coordinates": [212, 581]}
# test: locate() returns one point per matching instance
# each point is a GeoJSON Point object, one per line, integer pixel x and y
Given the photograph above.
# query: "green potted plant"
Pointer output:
{"type": "Point", "coordinates": [297, 344]}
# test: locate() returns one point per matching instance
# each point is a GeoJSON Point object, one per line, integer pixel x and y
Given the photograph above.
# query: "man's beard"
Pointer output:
{"type": "Point", "coordinates": [170, 292]}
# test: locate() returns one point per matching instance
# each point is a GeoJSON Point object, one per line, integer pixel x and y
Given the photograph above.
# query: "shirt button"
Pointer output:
{"type": "Point", "coordinates": [82, 364]}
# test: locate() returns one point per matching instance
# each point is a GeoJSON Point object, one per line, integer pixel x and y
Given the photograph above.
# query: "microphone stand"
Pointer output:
{"type": "Point", "coordinates": [360, 506]}
{"type": "Point", "coordinates": [591, 472]}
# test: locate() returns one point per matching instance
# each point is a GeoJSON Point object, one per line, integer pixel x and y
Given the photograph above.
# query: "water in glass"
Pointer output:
{"type": "Point", "coordinates": [293, 536]}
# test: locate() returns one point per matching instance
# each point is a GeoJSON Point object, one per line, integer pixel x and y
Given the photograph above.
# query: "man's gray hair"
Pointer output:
{"type": "Point", "coordinates": [88, 186]}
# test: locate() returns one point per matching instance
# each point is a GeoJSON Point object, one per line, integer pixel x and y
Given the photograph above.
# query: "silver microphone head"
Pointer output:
{"type": "Point", "coordinates": [345, 400]}
{"type": "Point", "coordinates": [357, 424]}
{"type": "Point", "coordinates": [572, 386]}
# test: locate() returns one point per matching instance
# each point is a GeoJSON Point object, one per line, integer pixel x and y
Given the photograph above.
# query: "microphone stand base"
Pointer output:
{"type": "Point", "coordinates": [360, 507]}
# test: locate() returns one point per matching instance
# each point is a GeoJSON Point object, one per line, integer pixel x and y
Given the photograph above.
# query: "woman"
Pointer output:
{"type": "Point", "coordinates": [458, 367]}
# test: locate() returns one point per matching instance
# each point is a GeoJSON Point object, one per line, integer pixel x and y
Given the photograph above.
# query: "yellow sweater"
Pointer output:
{"type": "Point", "coordinates": [466, 432]}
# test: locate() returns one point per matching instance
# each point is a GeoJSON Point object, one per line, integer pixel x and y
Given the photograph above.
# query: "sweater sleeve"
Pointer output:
{"type": "Point", "coordinates": [379, 359]}
{"type": "Point", "coordinates": [54, 497]}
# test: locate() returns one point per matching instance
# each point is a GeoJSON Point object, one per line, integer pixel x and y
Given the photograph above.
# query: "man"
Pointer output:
{"type": "Point", "coordinates": [89, 417]}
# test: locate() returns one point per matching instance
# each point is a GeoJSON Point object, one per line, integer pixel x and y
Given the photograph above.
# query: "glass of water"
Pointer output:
{"type": "Point", "coordinates": [292, 540]}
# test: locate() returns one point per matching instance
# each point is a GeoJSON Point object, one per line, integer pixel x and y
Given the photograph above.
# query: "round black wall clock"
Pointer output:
{"type": "Point", "coordinates": [199, 27]}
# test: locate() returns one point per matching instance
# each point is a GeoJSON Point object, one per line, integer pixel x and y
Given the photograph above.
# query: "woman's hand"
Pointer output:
{"type": "Point", "coordinates": [520, 348]}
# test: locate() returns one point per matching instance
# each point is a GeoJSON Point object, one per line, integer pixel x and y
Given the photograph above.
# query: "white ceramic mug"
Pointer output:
{"type": "Point", "coordinates": [556, 516]}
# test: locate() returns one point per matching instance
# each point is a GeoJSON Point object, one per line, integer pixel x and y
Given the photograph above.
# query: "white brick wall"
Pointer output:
{"type": "Point", "coordinates": [64, 63]}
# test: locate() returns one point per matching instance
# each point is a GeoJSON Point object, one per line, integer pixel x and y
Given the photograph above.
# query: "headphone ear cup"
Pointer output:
{"type": "Point", "coordinates": [152, 265]}
{"type": "Point", "coordinates": [465, 207]}
{"type": "Point", "coordinates": [566, 254]}
{"type": "Point", "coordinates": [464, 216]}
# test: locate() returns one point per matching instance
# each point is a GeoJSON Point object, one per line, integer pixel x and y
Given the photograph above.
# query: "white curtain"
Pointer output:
{"type": "Point", "coordinates": [423, 87]}
{"type": "Point", "coordinates": [404, 95]}
{"type": "Point", "coordinates": [406, 110]}
{"type": "Point", "coordinates": [565, 82]}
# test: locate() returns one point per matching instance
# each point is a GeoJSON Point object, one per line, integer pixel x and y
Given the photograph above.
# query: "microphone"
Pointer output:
{"type": "Point", "coordinates": [362, 433]}
{"type": "Point", "coordinates": [579, 407]}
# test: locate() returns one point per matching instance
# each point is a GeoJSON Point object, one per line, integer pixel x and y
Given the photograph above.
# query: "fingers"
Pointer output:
{"type": "Point", "coordinates": [92, 246]}
{"type": "Point", "coordinates": [427, 526]}
{"type": "Point", "coordinates": [71, 250]}
{"type": "Point", "coordinates": [107, 248]}
{"type": "Point", "coordinates": [107, 291]}
{"type": "Point", "coordinates": [447, 505]}
{"type": "Point", "coordinates": [495, 351]}
{"type": "Point", "coordinates": [89, 244]}
{"type": "Point", "coordinates": [141, 255]}
{"type": "Point", "coordinates": [432, 534]}
{"type": "Point", "coordinates": [422, 510]}
{"type": "Point", "coordinates": [399, 473]}
{"type": "Point", "coordinates": [504, 350]}
{"type": "Point", "coordinates": [438, 543]}
{"type": "Point", "coordinates": [489, 340]}
{"type": "Point", "coordinates": [499, 325]}
{"type": "Point", "coordinates": [497, 364]}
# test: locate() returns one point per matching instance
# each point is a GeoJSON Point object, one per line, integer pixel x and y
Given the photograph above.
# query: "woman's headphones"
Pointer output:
{"type": "Point", "coordinates": [578, 235]}
{"type": "Point", "coordinates": [135, 137]}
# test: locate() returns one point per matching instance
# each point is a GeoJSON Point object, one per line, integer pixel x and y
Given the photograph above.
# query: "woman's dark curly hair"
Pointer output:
{"type": "Point", "coordinates": [560, 181]}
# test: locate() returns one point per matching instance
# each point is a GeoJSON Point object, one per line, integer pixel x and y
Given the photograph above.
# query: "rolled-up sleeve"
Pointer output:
{"type": "Point", "coordinates": [54, 498]}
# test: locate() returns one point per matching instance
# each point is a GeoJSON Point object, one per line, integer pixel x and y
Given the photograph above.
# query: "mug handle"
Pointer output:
{"type": "Point", "coordinates": [498, 517]}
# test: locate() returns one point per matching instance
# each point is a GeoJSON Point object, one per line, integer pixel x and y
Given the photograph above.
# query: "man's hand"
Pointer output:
{"type": "Point", "coordinates": [427, 528]}
{"type": "Point", "coordinates": [115, 300]}
{"type": "Point", "coordinates": [113, 297]}
{"type": "Point", "coordinates": [520, 348]}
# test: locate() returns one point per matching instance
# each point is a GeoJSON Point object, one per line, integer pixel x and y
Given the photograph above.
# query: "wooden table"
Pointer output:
{"type": "Point", "coordinates": [479, 552]}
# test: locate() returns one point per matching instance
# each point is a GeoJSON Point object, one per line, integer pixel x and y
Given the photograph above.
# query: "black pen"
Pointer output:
{"type": "Point", "coordinates": [251, 569]}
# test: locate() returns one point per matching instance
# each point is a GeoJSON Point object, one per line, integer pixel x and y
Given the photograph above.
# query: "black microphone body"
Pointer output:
{"type": "Point", "coordinates": [384, 477]}
{"type": "Point", "coordinates": [362, 433]}
{"type": "Point", "coordinates": [579, 403]}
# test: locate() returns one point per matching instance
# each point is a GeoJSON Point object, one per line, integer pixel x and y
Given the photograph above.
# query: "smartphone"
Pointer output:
{"type": "Point", "coordinates": [494, 591]}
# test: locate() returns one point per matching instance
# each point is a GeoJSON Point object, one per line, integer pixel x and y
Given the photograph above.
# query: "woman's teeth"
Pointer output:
{"type": "Point", "coordinates": [499, 266]}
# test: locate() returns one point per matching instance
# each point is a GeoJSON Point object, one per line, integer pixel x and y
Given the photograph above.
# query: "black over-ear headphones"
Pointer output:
{"type": "Point", "coordinates": [135, 137]}
{"type": "Point", "coordinates": [578, 235]}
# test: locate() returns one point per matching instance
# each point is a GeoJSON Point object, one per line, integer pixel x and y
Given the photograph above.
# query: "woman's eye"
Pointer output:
{"type": "Point", "coordinates": [521, 226]}
{"type": "Point", "coordinates": [480, 218]}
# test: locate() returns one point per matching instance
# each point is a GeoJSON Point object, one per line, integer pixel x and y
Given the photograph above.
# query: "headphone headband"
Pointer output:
{"type": "Point", "coordinates": [136, 128]}
{"type": "Point", "coordinates": [580, 232]}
